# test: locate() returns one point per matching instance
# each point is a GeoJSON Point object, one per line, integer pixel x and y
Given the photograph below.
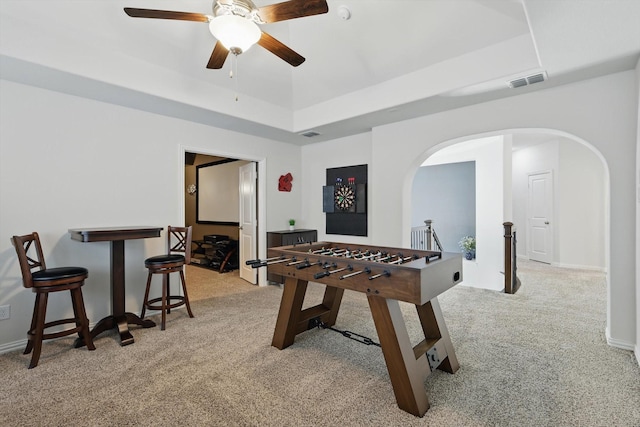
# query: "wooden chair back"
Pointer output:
{"type": "Point", "coordinates": [179, 240]}
{"type": "Point", "coordinates": [30, 256]}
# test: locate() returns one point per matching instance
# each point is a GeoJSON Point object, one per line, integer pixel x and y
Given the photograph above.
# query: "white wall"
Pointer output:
{"type": "Point", "coordinates": [317, 158]}
{"type": "Point", "coordinates": [69, 162]}
{"type": "Point", "coordinates": [580, 208]}
{"type": "Point", "coordinates": [601, 111]}
{"type": "Point", "coordinates": [484, 271]}
{"type": "Point", "coordinates": [637, 195]}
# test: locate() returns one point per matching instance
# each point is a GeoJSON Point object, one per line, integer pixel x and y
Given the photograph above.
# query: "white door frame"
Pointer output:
{"type": "Point", "coordinates": [261, 186]}
{"type": "Point", "coordinates": [247, 248]}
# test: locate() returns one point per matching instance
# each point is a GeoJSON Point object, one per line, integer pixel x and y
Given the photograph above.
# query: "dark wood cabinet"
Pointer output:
{"type": "Point", "coordinates": [287, 238]}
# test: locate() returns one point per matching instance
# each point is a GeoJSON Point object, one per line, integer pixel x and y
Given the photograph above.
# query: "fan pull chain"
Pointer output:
{"type": "Point", "coordinates": [234, 66]}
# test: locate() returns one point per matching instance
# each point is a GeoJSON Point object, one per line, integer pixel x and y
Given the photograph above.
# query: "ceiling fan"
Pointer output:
{"type": "Point", "coordinates": [234, 24]}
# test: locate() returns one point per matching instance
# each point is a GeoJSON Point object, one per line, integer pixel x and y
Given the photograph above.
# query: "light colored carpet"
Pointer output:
{"type": "Point", "coordinates": [536, 358]}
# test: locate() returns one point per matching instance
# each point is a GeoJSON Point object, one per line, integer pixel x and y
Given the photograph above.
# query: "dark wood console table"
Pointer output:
{"type": "Point", "coordinates": [116, 235]}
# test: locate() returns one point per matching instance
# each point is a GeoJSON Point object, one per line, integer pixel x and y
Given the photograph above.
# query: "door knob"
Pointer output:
{"type": "Point", "coordinates": [546, 222]}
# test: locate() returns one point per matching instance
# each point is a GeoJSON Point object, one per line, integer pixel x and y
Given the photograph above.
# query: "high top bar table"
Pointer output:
{"type": "Point", "coordinates": [116, 235]}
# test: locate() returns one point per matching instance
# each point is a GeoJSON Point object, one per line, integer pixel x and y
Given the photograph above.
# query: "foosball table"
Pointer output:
{"type": "Point", "coordinates": [387, 276]}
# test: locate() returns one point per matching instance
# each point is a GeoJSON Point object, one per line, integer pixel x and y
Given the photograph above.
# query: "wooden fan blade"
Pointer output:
{"type": "Point", "coordinates": [218, 56]}
{"type": "Point", "coordinates": [279, 49]}
{"type": "Point", "coordinates": [165, 14]}
{"type": "Point", "coordinates": [292, 9]}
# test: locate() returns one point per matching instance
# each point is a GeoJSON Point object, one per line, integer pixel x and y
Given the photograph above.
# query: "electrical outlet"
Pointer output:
{"type": "Point", "coordinates": [5, 312]}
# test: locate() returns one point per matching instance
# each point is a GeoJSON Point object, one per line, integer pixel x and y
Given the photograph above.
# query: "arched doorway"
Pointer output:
{"type": "Point", "coordinates": [580, 222]}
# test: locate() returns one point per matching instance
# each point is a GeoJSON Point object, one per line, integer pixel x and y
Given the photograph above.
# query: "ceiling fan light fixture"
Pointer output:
{"type": "Point", "coordinates": [235, 32]}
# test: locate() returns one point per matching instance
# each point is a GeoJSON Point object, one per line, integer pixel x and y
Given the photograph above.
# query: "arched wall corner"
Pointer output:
{"type": "Point", "coordinates": [415, 164]}
{"type": "Point", "coordinates": [262, 191]}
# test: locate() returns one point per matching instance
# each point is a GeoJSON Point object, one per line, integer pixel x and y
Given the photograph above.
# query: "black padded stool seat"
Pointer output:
{"type": "Point", "coordinates": [43, 281]}
{"type": "Point", "coordinates": [58, 273]}
{"type": "Point", "coordinates": [165, 265]}
{"type": "Point", "coordinates": [163, 261]}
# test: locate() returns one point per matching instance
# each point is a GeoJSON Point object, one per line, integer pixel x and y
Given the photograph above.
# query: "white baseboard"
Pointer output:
{"type": "Point", "coordinates": [579, 267]}
{"type": "Point", "coordinates": [637, 352]}
{"type": "Point", "coordinates": [12, 346]}
{"type": "Point", "coordinates": [624, 345]}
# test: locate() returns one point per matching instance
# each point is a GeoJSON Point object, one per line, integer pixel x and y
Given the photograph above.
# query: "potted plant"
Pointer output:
{"type": "Point", "coordinates": [292, 224]}
{"type": "Point", "coordinates": [468, 246]}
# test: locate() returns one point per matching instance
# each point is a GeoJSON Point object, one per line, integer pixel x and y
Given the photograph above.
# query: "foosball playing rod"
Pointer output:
{"type": "Point", "coordinates": [327, 273]}
{"type": "Point", "coordinates": [265, 263]}
{"type": "Point", "coordinates": [385, 273]}
{"type": "Point", "coordinates": [401, 260]}
{"type": "Point", "coordinates": [365, 257]}
{"type": "Point", "coordinates": [294, 262]}
{"type": "Point", "coordinates": [308, 264]}
{"type": "Point", "coordinates": [329, 251]}
{"type": "Point", "coordinates": [346, 276]}
{"type": "Point", "coordinates": [281, 260]}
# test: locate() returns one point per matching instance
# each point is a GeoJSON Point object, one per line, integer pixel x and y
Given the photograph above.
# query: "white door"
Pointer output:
{"type": "Point", "coordinates": [247, 235]}
{"type": "Point", "coordinates": [540, 212]}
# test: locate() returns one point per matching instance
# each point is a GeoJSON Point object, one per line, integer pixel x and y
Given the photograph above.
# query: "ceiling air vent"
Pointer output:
{"type": "Point", "coordinates": [528, 80]}
{"type": "Point", "coordinates": [536, 78]}
{"type": "Point", "coordinates": [310, 133]}
{"type": "Point", "coordinates": [518, 83]}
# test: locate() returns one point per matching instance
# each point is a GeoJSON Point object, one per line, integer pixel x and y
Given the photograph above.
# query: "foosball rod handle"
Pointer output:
{"type": "Point", "coordinates": [259, 261]}
{"type": "Point", "coordinates": [321, 274]}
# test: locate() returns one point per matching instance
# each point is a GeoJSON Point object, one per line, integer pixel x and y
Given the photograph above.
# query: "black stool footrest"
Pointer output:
{"type": "Point", "coordinates": [180, 301]}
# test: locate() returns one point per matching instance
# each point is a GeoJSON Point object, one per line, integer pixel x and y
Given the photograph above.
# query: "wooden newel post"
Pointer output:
{"type": "Point", "coordinates": [508, 256]}
{"type": "Point", "coordinates": [428, 223]}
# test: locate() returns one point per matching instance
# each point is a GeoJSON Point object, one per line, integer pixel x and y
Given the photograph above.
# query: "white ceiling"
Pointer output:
{"type": "Point", "coordinates": [394, 59]}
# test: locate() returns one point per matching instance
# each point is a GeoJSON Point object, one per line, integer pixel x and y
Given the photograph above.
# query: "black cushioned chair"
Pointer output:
{"type": "Point", "coordinates": [178, 254]}
{"type": "Point", "coordinates": [43, 281]}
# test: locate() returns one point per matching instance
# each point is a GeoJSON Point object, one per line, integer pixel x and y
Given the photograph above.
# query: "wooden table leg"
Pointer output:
{"type": "Point", "coordinates": [434, 328]}
{"type": "Point", "coordinates": [407, 378]}
{"type": "Point", "coordinates": [290, 308]}
{"type": "Point", "coordinates": [331, 300]}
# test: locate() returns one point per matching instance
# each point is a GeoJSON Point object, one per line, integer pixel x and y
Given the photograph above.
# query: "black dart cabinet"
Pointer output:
{"type": "Point", "coordinates": [344, 200]}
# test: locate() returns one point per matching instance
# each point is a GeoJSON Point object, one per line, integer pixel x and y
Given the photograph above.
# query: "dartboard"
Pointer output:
{"type": "Point", "coordinates": [344, 197]}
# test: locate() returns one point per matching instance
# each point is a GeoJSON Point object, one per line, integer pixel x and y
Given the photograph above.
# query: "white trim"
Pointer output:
{"type": "Point", "coordinates": [579, 267]}
{"type": "Point", "coordinates": [624, 345]}
{"type": "Point", "coordinates": [13, 346]}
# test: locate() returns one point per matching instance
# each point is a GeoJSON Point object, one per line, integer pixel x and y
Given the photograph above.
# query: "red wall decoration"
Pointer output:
{"type": "Point", "coordinates": [284, 183]}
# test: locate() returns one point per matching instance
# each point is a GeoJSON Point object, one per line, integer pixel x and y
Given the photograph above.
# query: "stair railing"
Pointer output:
{"type": "Point", "coordinates": [425, 237]}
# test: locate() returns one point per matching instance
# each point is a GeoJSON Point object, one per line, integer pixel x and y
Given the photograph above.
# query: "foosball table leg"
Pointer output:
{"type": "Point", "coordinates": [434, 329]}
{"type": "Point", "coordinates": [331, 300]}
{"type": "Point", "coordinates": [292, 319]}
{"type": "Point", "coordinates": [290, 308]}
{"type": "Point", "coordinates": [409, 365]}
{"type": "Point", "coordinates": [406, 376]}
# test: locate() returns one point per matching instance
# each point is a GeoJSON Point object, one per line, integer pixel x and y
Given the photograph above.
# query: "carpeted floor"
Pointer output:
{"type": "Point", "coordinates": [536, 358]}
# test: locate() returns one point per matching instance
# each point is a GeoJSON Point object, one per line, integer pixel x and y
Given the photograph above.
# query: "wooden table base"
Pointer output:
{"type": "Point", "coordinates": [408, 365]}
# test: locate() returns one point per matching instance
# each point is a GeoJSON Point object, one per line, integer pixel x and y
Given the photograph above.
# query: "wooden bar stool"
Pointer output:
{"type": "Point", "coordinates": [178, 254]}
{"type": "Point", "coordinates": [43, 281]}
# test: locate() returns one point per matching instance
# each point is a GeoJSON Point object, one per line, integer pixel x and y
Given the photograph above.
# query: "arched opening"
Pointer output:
{"type": "Point", "coordinates": [579, 222]}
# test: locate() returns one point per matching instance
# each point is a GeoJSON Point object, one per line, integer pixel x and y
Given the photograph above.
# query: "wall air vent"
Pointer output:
{"type": "Point", "coordinates": [528, 80]}
{"type": "Point", "coordinates": [310, 134]}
